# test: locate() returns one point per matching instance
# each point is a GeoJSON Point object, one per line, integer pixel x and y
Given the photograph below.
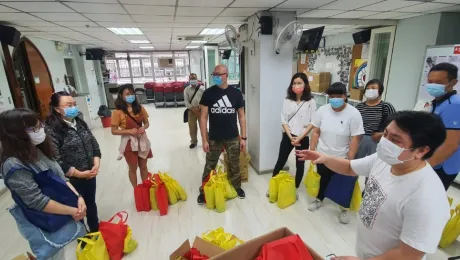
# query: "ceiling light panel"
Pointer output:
{"type": "Point", "coordinates": [192, 47]}
{"type": "Point", "coordinates": [126, 31]}
{"type": "Point", "coordinates": [212, 31]}
{"type": "Point", "coordinates": [147, 47]}
{"type": "Point", "coordinates": [139, 41]}
{"type": "Point", "coordinates": [97, 8]}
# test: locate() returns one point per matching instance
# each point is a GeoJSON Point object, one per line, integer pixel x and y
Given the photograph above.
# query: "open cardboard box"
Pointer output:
{"type": "Point", "coordinates": [204, 247]}
{"type": "Point", "coordinates": [26, 256]}
{"type": "Point", "coordinates": [251, 249]}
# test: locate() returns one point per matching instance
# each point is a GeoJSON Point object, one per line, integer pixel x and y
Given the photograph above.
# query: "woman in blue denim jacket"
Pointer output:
{"type": "Point", "coordinates": [27, 150]}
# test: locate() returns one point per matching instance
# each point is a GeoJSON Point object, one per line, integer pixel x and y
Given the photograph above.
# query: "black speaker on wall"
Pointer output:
{"type": "Point", "coordinates": [362, 36]}
{"type": "Point", "coordinates": [9, 35]}
{"type": "Point", "coordinates": [95, 54]}
{"type": "Point", "coordinates": [266, 25]}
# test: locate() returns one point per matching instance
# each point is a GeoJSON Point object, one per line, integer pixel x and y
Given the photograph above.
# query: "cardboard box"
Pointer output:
{"type": "Point", "coordinates": [319, 82]}
{"type": "Point", "coordinates": [204, 247]}
{"type": "Point", "coordinates": [251, 249]}
{"type": "Point", "coordinates": [356, 94]}
{"type": "Point", "coordinates": [26, 256]}
{"type": "Point", "coordinates": [244, 165]}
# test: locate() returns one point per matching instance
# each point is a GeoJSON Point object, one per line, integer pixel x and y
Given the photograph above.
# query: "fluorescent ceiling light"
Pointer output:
{"type": "Point", "coordinates": [139, 41]}
{"type": "Point", "coordinates": [211, 31]}
{"type": "Point", "coordinates": [126, 31]}
{"type": "Point", "coordinates": [146, 47]}
{"type": "Point", "coordinates": [192, 47]}
{"type": "Point", "coordinates": [199, 42]}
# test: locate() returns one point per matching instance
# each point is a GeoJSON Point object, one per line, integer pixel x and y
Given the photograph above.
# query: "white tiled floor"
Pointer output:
{"type": "Point", "coordinates": [159, 236]}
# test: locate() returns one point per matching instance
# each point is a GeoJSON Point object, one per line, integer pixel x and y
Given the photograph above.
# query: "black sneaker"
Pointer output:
{"type": "Point", "coordinates": [200, 199]}
{"type": "Point", "coordinates": [241, 193]}
{"type": "Point", "coordinates": [192, 146]}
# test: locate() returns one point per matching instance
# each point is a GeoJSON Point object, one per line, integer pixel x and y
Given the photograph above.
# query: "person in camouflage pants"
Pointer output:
{"type": "Point", "coordinates": [232, 147]}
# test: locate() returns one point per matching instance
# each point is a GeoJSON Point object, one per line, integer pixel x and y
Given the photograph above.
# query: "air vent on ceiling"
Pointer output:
{"type": "Point", "coordinates": [192, 38]}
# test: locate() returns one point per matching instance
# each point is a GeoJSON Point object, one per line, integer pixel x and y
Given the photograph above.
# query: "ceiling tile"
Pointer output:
{"type": "Point", "coordinates": [154, 40]}
{"type": "Point", "coordinates": [385, 15]}
{"type": "Point", "coordinates": [223, 25]}
{"type": "Point", "coordinates": [78, 24]}
{"type": "Point", "coordinates": [408, 15]}
{"type": "Point", "coordinates": [157, 30]}
{"type": "Point", "coordinates": [91, 29]}
{"type": "Point", "coordinates": [423, 7]}
{"type": "Point", "coordinates": [189, 25]}
{"type": "Point", "coordinates": [455, 8]}
{"type": "Point", "coordinates": [135, 37]}
{"type": "Point", "coordinates": [154, 25]}
{"type": "Point", "coordinates": [109, 17]}
{"type": "Point", "coordinates": [354, 14]}
{"type": "Point", "coordinates": [205, 3]}
{"type": "Point", "coordinates": [75, 35]}
{"type": "Point", "coordinates": [61, 17]}
{"type": "Point", "coordinates": [97, 8]}
{"type": "Point", "coordinates": [198, 11]}
{"type": "Point", "coordinates": [118, 24]}
{"type": "Point", "coordinates": [298, 11]}
{"type": "Point", "coordinates": [150, 9]}
{"type": "Point", "coordinates": [150, 18]}
{"type": "Point", "coordinates": [31, 7]}
{"type": "Point", "coordinates": [24, 29]}
{"type": "Point", "coordinates": [240, 11]}
{"type": "Point", "coordinates": [4, 9]}
{"type": "Point", "coordinates": [229, 20]}
{"type": "Point", "coordinates": [348, 4]}
{"type": "Point", "coordinates": [32, 23]}
{"type": "Point", "coordinates": [389, 5]}
{"type": "Point", "coordinates": [52, 29]}
{"type": "Point", "coordinates": [448, 1]}
{"type": "Point", "coordinates": [100, 35]}
{"type": "Point", "coordinates": [304, 4]}
{"type": "Point", "coordinates": [18, 17]}
{"type": "Point", "coordinates": [150, 2]}
{"type": "Point", "coordinates": [256, 3]}
{"type": "Point", "coordinates": [184, 19]}
{"type": "Point", "coordinates": [187, 31]}
{"type": "Point", "coordinates": [178, 46]}
{"type": "Point", "coordinates": [94, 1]}
{"type": "Point", "coordinates": [321, 13]}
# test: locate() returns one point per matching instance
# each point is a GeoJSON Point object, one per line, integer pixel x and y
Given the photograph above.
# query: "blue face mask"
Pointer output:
{"type": "Point", "coordinates": [336, 102]}
{"type": "Point", "coordinates": [193, 82]}
{"type": "Point", "coordinates": [217, 80]}
{"type": "Point", "coordinates": [435, 90]}
{"type": "Point", "coordinates": [130, 99]}
{"type": "Point", "coordinates": [71, 112]}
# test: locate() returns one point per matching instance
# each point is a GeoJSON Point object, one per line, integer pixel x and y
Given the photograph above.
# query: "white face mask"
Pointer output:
{"type": "Point", "coordinates": [390, 152]}
{"type": "Point", "coordinates": [372, 94]}
{"type": "Point", "coordinates": [37, 138]}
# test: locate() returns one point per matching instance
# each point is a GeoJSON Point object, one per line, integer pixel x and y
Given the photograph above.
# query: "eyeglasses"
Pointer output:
{"type": "Point", "coordinates": [218, 74]}
{"type": "Point", "coordinates": [36, 128]}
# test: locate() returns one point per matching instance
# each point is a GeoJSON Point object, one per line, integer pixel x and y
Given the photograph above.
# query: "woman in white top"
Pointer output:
{"type": "Point", "coordinates": [338, 127]}
{"type": "Point", "coordinates": [298, 110]}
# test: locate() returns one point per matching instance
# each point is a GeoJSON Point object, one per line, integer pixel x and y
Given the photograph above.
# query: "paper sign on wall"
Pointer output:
{"type": "Point", "coordinates": [37, 80]}
{"type": "Point", "coordinates": [310, 78]}
{"type": "Point", "coordinates": [303, 58]}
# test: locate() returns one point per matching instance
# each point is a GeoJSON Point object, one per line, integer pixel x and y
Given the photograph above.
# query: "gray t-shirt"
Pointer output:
{"type": "Point", "coordinates": [22, 181]}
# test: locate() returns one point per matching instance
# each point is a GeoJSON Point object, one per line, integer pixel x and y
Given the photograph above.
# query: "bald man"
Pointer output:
{"type": "Point", "coordinates": [224, 107]}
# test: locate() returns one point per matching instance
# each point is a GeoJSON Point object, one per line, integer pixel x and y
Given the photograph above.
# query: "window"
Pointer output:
{"type": "Point", "coordinates": [148, 66]}
{"type": "Point", "coordinates": [233, 64]}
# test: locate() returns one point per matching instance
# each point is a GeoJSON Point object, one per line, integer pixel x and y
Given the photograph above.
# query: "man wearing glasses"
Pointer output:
{"type": "Point", "coordinates": [222, 105]}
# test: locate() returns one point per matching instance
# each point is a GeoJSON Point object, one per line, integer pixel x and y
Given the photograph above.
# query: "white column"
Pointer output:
{"type": "Point", "coordinates": [268, 78]}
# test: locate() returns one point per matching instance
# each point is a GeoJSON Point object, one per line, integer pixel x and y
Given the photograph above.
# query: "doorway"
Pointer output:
{"type": "Point", "coordinates": [70, 74]}
{"type": "Point", "coordinates": [33, 76]}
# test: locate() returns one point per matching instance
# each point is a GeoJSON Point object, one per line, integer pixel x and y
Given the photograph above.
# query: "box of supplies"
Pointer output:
{"type": "Point", "coordinates": [319, 81]}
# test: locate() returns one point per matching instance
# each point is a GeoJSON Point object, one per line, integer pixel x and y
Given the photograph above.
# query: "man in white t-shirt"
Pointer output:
{"type": "Point", "coordinates": [405, 207]}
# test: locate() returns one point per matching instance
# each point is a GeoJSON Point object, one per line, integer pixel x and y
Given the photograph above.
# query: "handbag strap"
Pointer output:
{"type": "Point", "coordinates": [120, 214]}
{"type": "Point", "coordinates": [196, 91]}
{"type": "Point", "coordinates": [139, 124]}
{"type": "Point", "coordinates": [296, 112]}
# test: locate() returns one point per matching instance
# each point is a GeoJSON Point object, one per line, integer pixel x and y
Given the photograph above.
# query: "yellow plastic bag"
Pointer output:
{"type": "Point", "coordinates": [274, 184]}
{"type": "Point", "coordinates": [312, 181]}
{"type": "Point", "coordinates": [153, 198]}
{"type": "Point", "coordinates": [181, 194]}
{"type": "Point", "coordinates": [452, 229]}
{"type": "Point", "coordinates": [167, 180]}
{"type": "Point", "coordinates": [130, 243]}
{"type": "Point", "coordinates": [230, 192]}
{"type": "Point", "coordinates": [356, 198]}
{"type": "Point", "coordinates": [286, 192]}
{"type": "Point", "coordinates": [209, 193]}
{"type": "Point", "coordinates": [94, 249]}
{"type": "Point", "coordinates": [222, 239]}
{"type": "Point", "coordinates": [219, 194]}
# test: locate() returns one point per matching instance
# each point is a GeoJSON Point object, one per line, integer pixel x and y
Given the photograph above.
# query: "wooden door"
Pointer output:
{"type": "Point", "coordinates": [39, 77]}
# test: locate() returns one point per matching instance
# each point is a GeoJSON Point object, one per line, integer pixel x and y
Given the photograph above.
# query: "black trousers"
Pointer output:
{"type": "Point", "coordinates": [87, 189]}
{"type": "Point", "coordinates": [445, 178]}
{"type": "Point", "coordinates": [283, 155]}
{"type": "Point", "coordinates": [326, 175]}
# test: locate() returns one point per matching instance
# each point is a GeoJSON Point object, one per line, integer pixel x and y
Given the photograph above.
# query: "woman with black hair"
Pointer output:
{"type": "Point", "coordinates": [130, 120]}
{"type": "Point", "coordinates": [337, 130]}
{"type": "Point", "coordinates": [298, 110]}
{"type": "Point", "coordinates": [45, 200]}
{"type": "Point", "coordinates": [374, 112]}
{"type": "Point", "coordinates": [77, 150]}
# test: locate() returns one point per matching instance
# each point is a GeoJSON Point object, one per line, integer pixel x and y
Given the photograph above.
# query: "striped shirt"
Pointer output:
{"type": "Point", "coordinates": [373, 116]}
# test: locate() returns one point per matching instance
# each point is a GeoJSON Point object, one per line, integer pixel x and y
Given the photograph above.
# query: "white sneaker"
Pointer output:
{"type": "Point", "coordinates": [343, 217]}
{"type": "Point", "coordinates": [315, 205]}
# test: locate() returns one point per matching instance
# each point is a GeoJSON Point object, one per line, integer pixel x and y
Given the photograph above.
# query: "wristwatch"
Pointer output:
{"type": "Point", "coordinates": [244, 138]}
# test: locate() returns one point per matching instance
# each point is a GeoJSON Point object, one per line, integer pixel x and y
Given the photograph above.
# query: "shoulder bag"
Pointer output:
{"type": "Point", "coordinates": [186, 110]}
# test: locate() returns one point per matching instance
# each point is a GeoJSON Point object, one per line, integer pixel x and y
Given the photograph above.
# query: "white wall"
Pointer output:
{"type": "Point", "coordinates": [6, 101]}
{"type": "Point", "coordinates": [412, 37]}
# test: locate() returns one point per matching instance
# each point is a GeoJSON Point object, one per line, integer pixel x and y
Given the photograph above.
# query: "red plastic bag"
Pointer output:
{"type": "Point", "coordinates": [114, 235]}
{"type": "Point", "coordinates": [291, 247]}
{"type": "Point", "coordinates": [194, 254]}
{"type": "Point", "coordinates": [142, 196]}
{"type": "Point", "coordinates": [161, 195]}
